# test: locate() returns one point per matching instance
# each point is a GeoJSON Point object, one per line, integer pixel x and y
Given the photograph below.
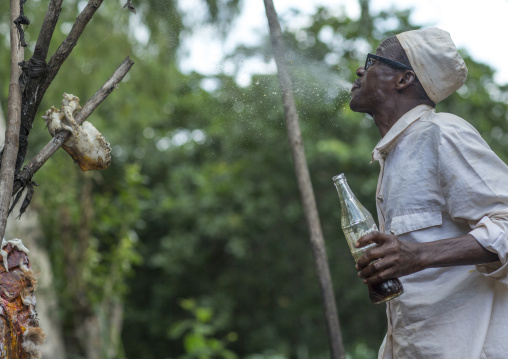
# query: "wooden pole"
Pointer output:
{"type": "Point", "coordinates": [10, 151]}
{"type": "Point", "coordinates": [305, 186]}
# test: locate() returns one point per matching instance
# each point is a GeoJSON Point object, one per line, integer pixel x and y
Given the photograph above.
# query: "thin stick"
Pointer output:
{"type": "Point", "coordinates": [47, 29]}
{"type": "Point", "coordinates": [305, 186]}
{"type": "Point", "coordinates": [65, 48]}
{"type": "Point", "coordinates": [13, 121]}
{"type": "Point", "coordinates": [60, 138]}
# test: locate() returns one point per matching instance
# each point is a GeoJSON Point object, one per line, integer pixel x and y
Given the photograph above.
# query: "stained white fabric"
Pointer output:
{"type": "Point", "coordinates": [439, 179]}
{"type": "Point", "coordinates": [435, 60]}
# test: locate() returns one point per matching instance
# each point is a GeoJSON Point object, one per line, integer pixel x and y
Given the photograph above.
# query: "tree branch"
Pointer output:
{"type": "Point", "coordinates": [10, 151]}
{"type": "Point", "coordinates": [47, 29]}
{"type": "Point", "coordinates": [68, 44]}
{"type": "Point", "coordinates": [305, 186]}
{"type": "Point", "coordinates": [29, 170]}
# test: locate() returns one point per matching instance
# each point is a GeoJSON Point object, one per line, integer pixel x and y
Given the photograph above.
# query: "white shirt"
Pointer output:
{"type": "Point", "coordinates": [439, 179]}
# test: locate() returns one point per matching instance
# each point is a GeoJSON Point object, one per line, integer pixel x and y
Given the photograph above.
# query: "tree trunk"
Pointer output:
{"type": "Point", "coordinates": [20, 334]}
{"type": "Point", "coordinates": [28, 228]}
{"type": "Point", "coordinates": [2, 125]}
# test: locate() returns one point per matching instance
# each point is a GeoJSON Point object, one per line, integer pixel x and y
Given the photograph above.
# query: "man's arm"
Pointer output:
{"type": "Point", "coordinates": [395, 258]}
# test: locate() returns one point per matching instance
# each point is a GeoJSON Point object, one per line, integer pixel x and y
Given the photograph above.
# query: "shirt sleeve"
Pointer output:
{"type": "Point", "coordinates": [475, 187]}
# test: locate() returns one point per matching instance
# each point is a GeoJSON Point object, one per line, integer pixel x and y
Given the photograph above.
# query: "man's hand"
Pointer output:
{"type": "Point", "coordinates": [392, 258]}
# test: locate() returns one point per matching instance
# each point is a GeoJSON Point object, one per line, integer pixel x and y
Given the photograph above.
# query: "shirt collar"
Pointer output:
{"type": "Point", "coordinates": [388, 142]}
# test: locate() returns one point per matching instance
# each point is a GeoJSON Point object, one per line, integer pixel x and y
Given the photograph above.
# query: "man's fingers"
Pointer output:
{"type": "Point", "coordinates": [371, 237]}
{"type": "Point", "coordinates": [376, 272]}
{"type": "Point", "coordinates": [369, 267]}
{"type": "Point", "coordinates": [370, 256]}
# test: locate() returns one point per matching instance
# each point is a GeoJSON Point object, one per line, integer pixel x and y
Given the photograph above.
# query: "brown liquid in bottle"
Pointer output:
{"type": "Point", "coordinates": [385, 291]}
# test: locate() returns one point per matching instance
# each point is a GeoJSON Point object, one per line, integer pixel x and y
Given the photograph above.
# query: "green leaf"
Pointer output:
{"type": "Point", "coordinates": [195, 344]}
{"type": "Point", "coordinates": [204, 315]}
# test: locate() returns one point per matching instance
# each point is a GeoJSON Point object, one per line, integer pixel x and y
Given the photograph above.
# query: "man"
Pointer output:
{"type": "Point", "coordinates": [442, 201]}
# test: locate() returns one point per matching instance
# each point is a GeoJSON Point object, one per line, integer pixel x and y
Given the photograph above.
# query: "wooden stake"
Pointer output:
{"type": "Point", "coordinates": [10, 151]}
{"type": "Point", "coordinates": [305, 186]}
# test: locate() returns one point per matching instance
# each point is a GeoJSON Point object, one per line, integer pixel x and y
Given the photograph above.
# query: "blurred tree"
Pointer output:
{"type": "Point", "coordinates": [230, 227]}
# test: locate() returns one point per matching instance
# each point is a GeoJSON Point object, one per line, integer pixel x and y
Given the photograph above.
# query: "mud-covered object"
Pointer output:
{"type": "Point", "coordinates": [86, 145]}
{"type": "Point", "coordinates": [20, 334]}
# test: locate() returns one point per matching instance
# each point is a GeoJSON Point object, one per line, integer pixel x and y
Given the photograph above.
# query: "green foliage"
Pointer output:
{"type": "Point", "coordinates": [362, 351]}
{"type": "Point", "coordinates": [198, 334]}
{"type": "Point", "coordinates": [88, 231]}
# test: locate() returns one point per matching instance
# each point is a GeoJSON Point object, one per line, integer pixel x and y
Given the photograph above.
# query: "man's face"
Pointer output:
{"type": "Point", "coordinates": [372, 86]}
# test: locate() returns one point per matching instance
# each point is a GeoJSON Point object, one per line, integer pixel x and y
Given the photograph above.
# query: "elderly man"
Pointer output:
{"type": "Point", "coordinates": [442, 201]}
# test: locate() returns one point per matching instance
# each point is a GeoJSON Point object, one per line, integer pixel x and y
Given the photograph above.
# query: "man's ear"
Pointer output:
{"type": "Point", "coordinates": [405, 79]}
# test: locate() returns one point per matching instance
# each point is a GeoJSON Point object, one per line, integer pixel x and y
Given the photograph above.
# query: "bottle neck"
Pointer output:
{"type": "Point", "coordinates": [343, 188]}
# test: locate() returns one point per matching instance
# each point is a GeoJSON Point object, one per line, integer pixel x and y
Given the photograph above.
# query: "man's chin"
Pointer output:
{"type": "Point", "coordinates": [356, 107]}
{"type": "Point", "coordinates": [353, 105]}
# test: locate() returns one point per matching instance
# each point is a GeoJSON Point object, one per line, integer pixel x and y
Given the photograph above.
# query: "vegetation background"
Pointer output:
{"type": "Point", "coordinates": [193, 243]}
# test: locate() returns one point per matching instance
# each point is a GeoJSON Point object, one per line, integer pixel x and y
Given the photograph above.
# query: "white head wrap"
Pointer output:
{"type": "Point", "coordinates": [435, 60]}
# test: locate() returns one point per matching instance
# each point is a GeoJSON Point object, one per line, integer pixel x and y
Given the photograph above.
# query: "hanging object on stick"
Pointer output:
{"type": "Point", "coordinates": [86, 145]}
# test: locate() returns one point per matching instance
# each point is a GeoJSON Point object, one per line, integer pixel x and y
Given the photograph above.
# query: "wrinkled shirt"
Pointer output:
{"type": "Point", "coordinates": [439, 179]}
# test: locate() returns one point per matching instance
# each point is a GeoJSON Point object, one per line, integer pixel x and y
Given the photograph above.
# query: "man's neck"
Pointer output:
{"type": "Point", "coordinates": [386, 118]}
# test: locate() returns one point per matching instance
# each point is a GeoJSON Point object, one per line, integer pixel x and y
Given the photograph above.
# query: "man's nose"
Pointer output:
{"type": "Point", "coordinates": [360, 71]}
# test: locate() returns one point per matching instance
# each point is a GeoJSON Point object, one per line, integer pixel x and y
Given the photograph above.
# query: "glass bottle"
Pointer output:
{"type": "Point", "coordinates": [356, 221]}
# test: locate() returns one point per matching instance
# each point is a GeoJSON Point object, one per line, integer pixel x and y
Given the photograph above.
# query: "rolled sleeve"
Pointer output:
{"type": "Point", "coordinates": [475, 189]}
{"type": "Point", "coordinates": [492, 236]}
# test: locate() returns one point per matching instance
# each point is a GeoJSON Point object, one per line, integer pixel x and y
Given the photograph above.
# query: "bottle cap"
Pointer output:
{"type": "Point", "coordinates": [339, 178]}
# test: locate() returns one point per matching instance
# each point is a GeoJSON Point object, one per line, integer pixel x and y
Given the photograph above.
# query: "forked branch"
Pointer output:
{"type": "Point", "coordinates": [70, 41]}
{"type": "Point", "coordinates": [38, 76]}
{"type": "Point", "coordinates": [47, 29]}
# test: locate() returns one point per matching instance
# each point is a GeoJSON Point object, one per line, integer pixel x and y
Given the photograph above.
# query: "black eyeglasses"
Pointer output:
{"type": "Point", "coordinates": [392, 63]}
